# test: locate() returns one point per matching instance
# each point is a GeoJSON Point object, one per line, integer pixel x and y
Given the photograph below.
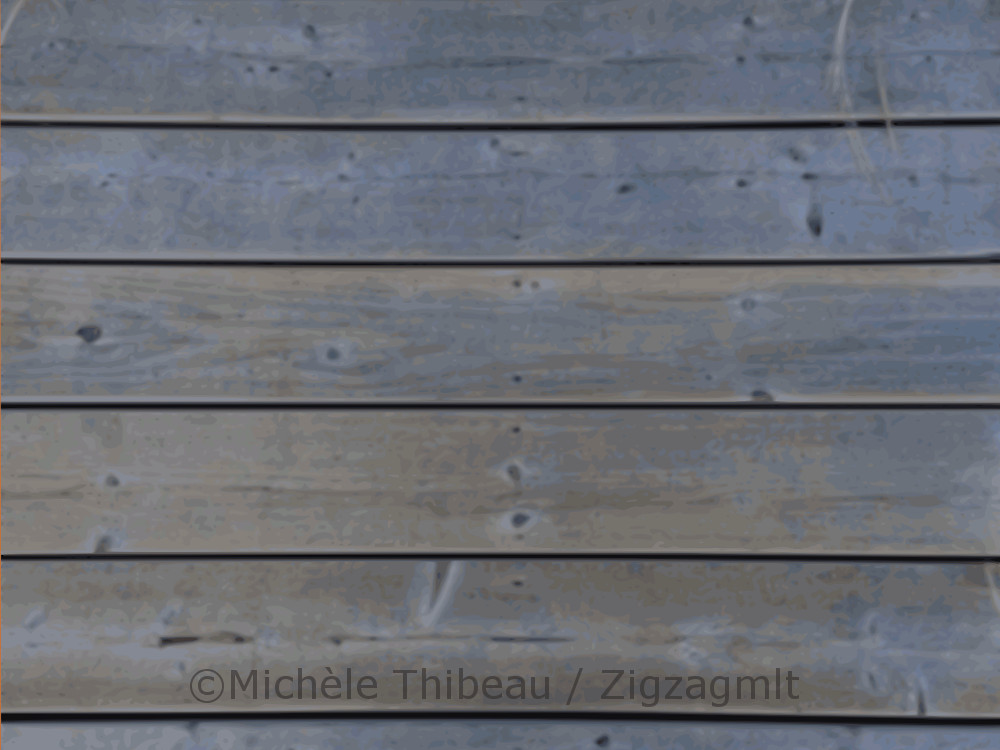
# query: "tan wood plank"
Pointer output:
{"type": "Point", "coordinates": [706, 334]}
{"type": "Point", "coordinates": [882, 482]}
{"type": "Point", "coordinates": [384, 196]}
{"type": "Point", "coordinates": [506, 734]}
{"type": "Point", "coordinates": [494, 60]}
{"type": "Point", "coordinates": [857, 638]}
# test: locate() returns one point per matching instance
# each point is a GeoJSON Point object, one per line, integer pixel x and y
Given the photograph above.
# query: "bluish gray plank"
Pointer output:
{"type": "Point", "coordinates": [875, 639]}
{"type": "Point", "coordinates": [510, 734]}
{"type": "Point", "coordinates": [610, 481]}
{"type": "Point", "coordinates": [553, 60]}
{"type": "Point", "coordinates": [499, 195]}
{"type": "Point", "coordinates": [836, 334]}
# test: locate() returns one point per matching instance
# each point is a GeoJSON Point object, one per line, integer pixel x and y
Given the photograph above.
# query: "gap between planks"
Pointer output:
{"type": "Point", "coordinates": [651, 123]}
{"type": "Point", "coordinates": [528, 555]}
{"type": "Point", "coordinates": [89, 403]}
{"type": "Point", "coordinates": [287, 261]}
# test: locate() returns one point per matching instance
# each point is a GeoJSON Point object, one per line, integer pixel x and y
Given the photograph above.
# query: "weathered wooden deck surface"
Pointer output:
{"type": "Point", "coordinates": [389, 733]}
{"type": "Point", "coordinates": [516, 481]}
{"type": "Point", "coordinates": [500, 195]}
{"type": "Point", "coordinates": [860, 638]}
{"type": "Point", "coordinates": [507, 735]}
{"type": "Point", "coordinates": [554, 60]}
{"type": "Point", "coordinates": [540, 338]}
{"type": "Point", "coordinates": [832, 334]}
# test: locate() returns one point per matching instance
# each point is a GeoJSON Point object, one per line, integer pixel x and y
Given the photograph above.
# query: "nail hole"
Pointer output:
{"type": "Point", "coordinates": [815, 220]}
{"type": "Point", "coordinates": [748, 304]}
{"type": "Point", "coordinates": [761, 395]}
{"type": "Point", "coordinates": [748, 21]}
{"type": "Point", "coordinates": [333, 353]}
{"type": "Point", "coordinates": [519, 519]}
{"type": "Point", "coordinates": [627, 187]}
{"type": "Point", "coordinates": [517, 582]}
{"type": "Point", "coordinates": [740, 59]}
{"type": "Point", "coordinates": [514, 473]}
{"type": "Point", "coordinates": [517, 283]}
{"type": "Point", "coordinates": [741, 183]}
{"type": "Point", "coordinates": [274, 69]}
{"type": "Point", "coordinates": [516, 378]}
{"type": "Point", "coordinates": [112, 481]}
{"type": "Point", "coordinates": [309, 31]}
{"type": "Point", "coordinates": [90, 334]}
{"type": "Point", "coordinates": [602, 741]}
{"type": "Point", "coordinates": [515, 430]}
{"type": "Point", "coordinates": [809, 176]}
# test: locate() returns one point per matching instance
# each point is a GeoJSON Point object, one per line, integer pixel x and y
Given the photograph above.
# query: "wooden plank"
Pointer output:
{"type": "Point", "coordinates": [377, 196]}
{"type": "Point", "coordinates": [883, 482]}
{"type": "Point", "coordinates": [553, 60]}
{"type": "Point", "coordinates": [852, 639]}
{"type": "Point", "coordinates": [829, 334]}
{"type": "Point", "coordinates": [508, 734]}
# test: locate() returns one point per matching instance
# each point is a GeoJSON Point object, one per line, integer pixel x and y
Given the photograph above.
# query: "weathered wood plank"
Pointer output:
{"type": "Point", "coordinates": [885, 482]}
{"type": "Point", "coordinates": [502, 195]}
{"type": "Point", "coordinates": [829, 334]}
{"type": "Point", "coordinates": [558, 60]}
{"type": "Point", "coordinates": [507, 734]}
{"type": "Point", "coordinates": [872, 639]}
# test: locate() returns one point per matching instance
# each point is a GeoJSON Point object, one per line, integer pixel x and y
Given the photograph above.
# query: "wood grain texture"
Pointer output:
{"type": "Point", "coordinates": [509, 734]}
{"type": "Point", "coordinates": [600, 481]}
{"type": "Point", "coordinates": [376, 196]}
{"type": "Point", "coordinates": [439, 60]}
{"type": "Point", "coordinates": [828, 334]}
{"type": "Point", "coordinates": [873, 639]}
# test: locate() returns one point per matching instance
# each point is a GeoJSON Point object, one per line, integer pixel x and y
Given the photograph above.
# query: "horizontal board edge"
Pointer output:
{"type": "Point", "coordinates": [526, 555]}
{"type": "Point", "coordinates": [949, 401]}
{"type": "Point", "coordinates": [444, 121]}
{"type": "Point", "coordinates": [119, 715]}
{"type": "Point", "coordinates": [986, 257]}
